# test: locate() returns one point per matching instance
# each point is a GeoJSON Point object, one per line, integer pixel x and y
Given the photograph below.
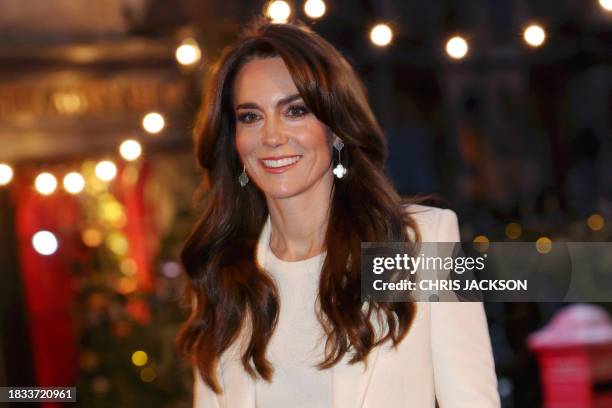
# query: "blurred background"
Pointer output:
{"type": "Point", "coordinates": [500, 109]}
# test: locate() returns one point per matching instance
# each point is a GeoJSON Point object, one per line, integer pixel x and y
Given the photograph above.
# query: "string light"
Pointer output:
{"type": "Point", "coordinates": [606, 4]}
{"type": "Point", "coordinates": [457, 47]}
{"type": "Point", "coordinates": [130, 150]}
{"type": "Point", "coordinates": [74, 183]}
{"type": "Point", "coordinates": [188, 53]}
{"type": "Point", "coordinates": [44, 242]}
{"type": "Point", "coordinates": [106, 170]}
{"type": "Point", "coordinates": [381, 35]}
{"type": "Point", "coordinates": [534, 35]}
{"type": "Point", "coordinates": [278, 11]}
{"type": "Point", "coordinates": [153, 122]}
{"type": "Point", "coordinates": [45, 183]}
{"type": "Point", "coordinates": [6, 174]}
{"type": "Point", "coordinates": [314, 8]}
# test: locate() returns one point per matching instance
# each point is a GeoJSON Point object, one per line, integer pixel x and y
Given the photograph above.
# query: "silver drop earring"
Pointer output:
{"type": "Point", "coordinates": [339, 171]}
{"type": "Point", "coordinates": [243, 179]}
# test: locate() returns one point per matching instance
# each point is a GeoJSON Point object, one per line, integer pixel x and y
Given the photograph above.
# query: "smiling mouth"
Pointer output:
{"type": "Point", "coordinates": [276, 165]}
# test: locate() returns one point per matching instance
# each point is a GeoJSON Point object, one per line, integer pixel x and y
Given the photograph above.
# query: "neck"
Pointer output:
{"type": "Point", "coordinates": [298, 223]}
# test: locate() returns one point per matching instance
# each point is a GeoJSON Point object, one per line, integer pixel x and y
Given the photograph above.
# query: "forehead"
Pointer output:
{"type": "Point", "coordinates": [263, 79]}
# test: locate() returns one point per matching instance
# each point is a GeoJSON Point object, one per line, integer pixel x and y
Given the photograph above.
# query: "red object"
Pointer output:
{"type": "Point", "coordinates": [575, 355]}
{"type": "Point", "coordinates": [47, 282]}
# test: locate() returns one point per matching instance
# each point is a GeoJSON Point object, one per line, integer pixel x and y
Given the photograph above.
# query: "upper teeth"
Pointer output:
{"type": "Point", "coordinates": [282, 162]}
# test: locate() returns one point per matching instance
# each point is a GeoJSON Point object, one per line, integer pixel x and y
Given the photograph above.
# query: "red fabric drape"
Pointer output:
{"type": "Point", "coordinates": [47, 282]}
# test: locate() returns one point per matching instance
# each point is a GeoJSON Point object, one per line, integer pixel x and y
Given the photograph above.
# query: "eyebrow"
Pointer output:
{"type": "Point", "coordinates": [284, 101]}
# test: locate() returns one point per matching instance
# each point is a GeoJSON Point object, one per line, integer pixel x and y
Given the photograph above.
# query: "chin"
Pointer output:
{"type": "Point", "coordinates": [280, 190]}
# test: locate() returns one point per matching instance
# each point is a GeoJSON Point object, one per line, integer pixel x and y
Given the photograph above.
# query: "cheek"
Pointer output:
{"type": "Point", "coordinates": [315, 138]}
{"type": "Point", "coordinates": [244, 143]}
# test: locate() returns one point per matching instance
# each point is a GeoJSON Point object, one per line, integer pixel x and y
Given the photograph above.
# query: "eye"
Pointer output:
{"type": "Point", "coordinates": [296, 111]}
{"type": "Point", "coordinates": [247, 117]}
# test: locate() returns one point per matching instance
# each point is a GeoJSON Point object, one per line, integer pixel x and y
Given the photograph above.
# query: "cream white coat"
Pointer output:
{"type": "Point", "coordinates": [446, 356]}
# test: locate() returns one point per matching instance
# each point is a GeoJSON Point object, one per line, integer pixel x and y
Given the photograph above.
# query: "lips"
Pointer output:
{"type": "Point", "coordinates": [279, 164]}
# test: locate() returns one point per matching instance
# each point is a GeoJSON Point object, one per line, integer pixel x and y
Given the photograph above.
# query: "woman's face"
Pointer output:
{"type": "Point", "coordinates": [285, 148]}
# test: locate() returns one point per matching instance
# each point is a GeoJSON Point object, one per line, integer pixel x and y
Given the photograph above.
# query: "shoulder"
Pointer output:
{"type": "Point", "coordinates": [435, 224]}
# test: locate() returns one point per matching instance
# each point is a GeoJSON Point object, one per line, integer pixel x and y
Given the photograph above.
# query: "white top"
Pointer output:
{"type": "Point", "coordinates": [298, 340]}
{"type": "Point", "coordinates": [446, 355]}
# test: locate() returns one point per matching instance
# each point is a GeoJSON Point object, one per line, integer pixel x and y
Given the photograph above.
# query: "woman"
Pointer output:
{"type": "Point", "coordinates": [295, 174]}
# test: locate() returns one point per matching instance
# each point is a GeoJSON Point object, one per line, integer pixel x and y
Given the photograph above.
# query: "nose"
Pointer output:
{"type": "Point", "coordinates": [274, 133]}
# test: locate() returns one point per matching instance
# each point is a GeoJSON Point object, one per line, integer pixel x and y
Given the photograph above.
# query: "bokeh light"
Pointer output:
{"type": "Point", "coordinates": [278, 11]}
{"type": "Point", "coordinates": [139, 358]}
{"type": "Point", "coordinates": [595, 222]}
{"type": "Point", "coordinates": [481, 243]}
{"type": "Point", "coordinates": [381, 35]}
{"type": "Point", "coordinates": [153, 122]}
{"type": "Point", "coordinates": [128, 266]}
{"type": "Point", "coordinates": [314, 8]}
{"type": "Point", "coordinates": [188, 53]}
{"type": "Point", "coordinates": [6, 174]}
{"type": "Point", "coordinates": [543, 245]}
{"type": "Point", "coordinates": [106, 170]}
{"type": "Point", "coordinates": [45, 183]}
{"type": "Point", "coordinates": [92, 237]}
{"type": "Point", "coordinates": [117, 243]}
{"type": "Point", "coordinates": [147, 374]}
{"type": "Point", "coordinates": [45, 243]}
{"type": "Point", "coordinates": [457, 47]}
{"type": "Point", "coordinates": [130, 150]}
{"type": "Point", "coordinates": [534, 35]}
{"type": "Point", "coordinates": [513, 230]}
{"type": "Point", "coordinates": [74, 183]}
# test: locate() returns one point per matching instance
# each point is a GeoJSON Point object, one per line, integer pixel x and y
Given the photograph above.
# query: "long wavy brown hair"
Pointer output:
{"type": "Point", "coordinates": [229, 289]}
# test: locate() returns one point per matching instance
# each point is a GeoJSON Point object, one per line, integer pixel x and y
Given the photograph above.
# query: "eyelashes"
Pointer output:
{"type": "Point", "coordinates": [294, 111]}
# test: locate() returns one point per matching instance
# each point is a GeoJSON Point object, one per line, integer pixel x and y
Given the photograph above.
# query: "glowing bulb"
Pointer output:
{"type": "Point", "coordinates": [188, 53]}
{"type": "Point", "coordinates": [457, 47]}
{"type": "Point", "coordinates": [381, 35]}
{"type": "Point", "coordinates": [481, 243]}
{"type": "Point", "coordinates": [140, 358]}
{"type": "Point", "coordinates": [279, 11]}
{"type": "Point", "coordinates": [314, 8]}
{"type": "Point", "coordinates": [45, 183]}
{"type": "Point", "coordinates": [543, 245]}
{"type": "Point", "coordinates": [595, 222]}
{"type": "Point", "coordinates": [130, 150]}
{"type": "Point", "coordinates": [106, 170]}
{"type": "Point", "coordinates": [44, 242]}
{"type": "Point", "coordinates": [513, 230]}
{"type": "Point", "coordinates": [74, 183]}
{"type": "Point", "coordinates": [153, 122]}
{"type": "Point", "coordinates": [606, 4]}
{"type": "Point", "coordinates": [534, 35]}
{"type": "Point", "coordinates": [6, 174]}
